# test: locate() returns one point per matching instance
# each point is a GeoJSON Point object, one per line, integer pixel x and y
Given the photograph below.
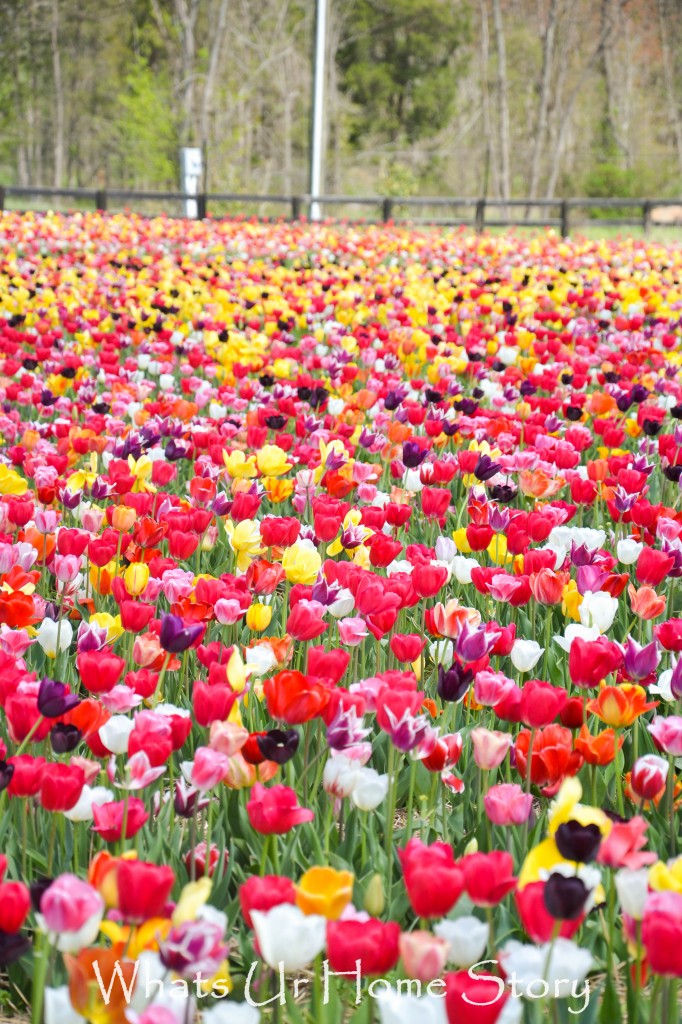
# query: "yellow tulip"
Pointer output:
{"type": "Point", "coordinates": [668, 876]}
{"type": "Point", "coordinates": [461, 542]}
{"type": "Point", "coordinates": [324, 891]}
{"type": "Point", "coordinates": [258, 617]}
{"type": "Point", "coordinates": [192, 898]}
{"type": "Point", "coordinates": [272, 461]}
{"type": "Point", "coordinates": [244, 539]}
{"type": "Point", "coordinates": [136, 578]}
{"type": "Point", "coordinates": [238, 465]}
{"type": "Point", "coordinates": [301, 562]}
{"type": "Point", "coordinates": [11, 482]}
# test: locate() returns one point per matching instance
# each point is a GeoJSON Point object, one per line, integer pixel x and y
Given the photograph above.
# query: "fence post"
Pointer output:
{"type": "Point", "coordinates": [2, 197]}
{"type": "Point", "coordinates": [100, 200]}
{"type": "Point", "coordinates": [386, 210]}
{"type": "Point", "coordinates": [564, 215]}
{"type": "Point", "coordinates": [646, 216]}
{"type": "Point", "coordinates": [296, 203]}
{"type": "Point", "coordinates": [479, 216]}
{"type": "Point", "coordinates": [202, 206]}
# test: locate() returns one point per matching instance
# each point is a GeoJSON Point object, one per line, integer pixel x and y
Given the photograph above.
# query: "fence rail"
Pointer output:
{"type": "Point", "coordinates": [481, 213]}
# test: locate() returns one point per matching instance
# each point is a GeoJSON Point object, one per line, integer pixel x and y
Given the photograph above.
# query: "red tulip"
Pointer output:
{"type": "Point", "coordinates": [294, 698]}
{"type": "Point", "coordinates": [374, 943]}
{"type": "Point", "coordinates": [61, 787]}
{"type": "Point", "coordinates": [591, 661]}
{"type": "Point", "coordinates": [474, 999]}
{"type": "Point", "coordinates": [653, 566]}
{"type": "Point", "coordinates": [108, 819]}
{"type": "Point", "coordinates": [99, 670]}
{"type": "Point", "coordinates": [541, 703]}
{"type": "Point", "coordinates": [143, 889]}
{"type": "Point", "coordinates": [15, 904]}
{"type": "Point", "coordinates": [407, 646]}
{"type": "Point", "coordinates": [433, 880]}
{"type": "Point", "coordinates": [488, 877]}
{"type": "Point", "coordinates": [264, 893]}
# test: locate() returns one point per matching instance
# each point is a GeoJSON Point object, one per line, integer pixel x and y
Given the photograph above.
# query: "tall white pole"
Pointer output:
{"type": "Point", "coordinates": [316, 148]}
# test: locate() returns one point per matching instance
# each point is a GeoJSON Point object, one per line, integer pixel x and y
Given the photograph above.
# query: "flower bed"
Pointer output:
{"type": "Point", "coordinates": [339, 624]}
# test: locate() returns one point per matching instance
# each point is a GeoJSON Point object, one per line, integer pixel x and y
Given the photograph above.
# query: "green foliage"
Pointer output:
{"type": "Point", "coordinates": [399, 65]}
{"type": "Point", "coordinates": [149, 158]}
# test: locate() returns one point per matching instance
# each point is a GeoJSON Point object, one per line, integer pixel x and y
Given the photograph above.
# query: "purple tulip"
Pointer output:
{"type": "Point", "coordinates": [473, 644]}
{"type": "Point", "coordinates": [175, 636]}
{"type": "Point", "coordinates": [54, 698]}
{"type": "Point", "coordinates": [640, 662]}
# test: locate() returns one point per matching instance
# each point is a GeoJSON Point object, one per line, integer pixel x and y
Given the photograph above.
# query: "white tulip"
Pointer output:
{"type": "Point", "coordinates": [115, 734]}
{"type": "Point", "coordinates": [628, 550]}
{"type": "Point", "coordinates": [401, 1008]}
{"type": "Point", "coordinates": [598, 610]}
{"type": "Point", "coordinates": [462, 568]}
{"type": "Point", "coordinates": [467, 938]}
{"type": "Point", "coordinates": [58, 1008]}
{"type": "Point", "coordinates": [370, 789]}
{"type": "Point", "coordinates": [525, 654]}
{"type": "Point", "coordinates": [633, 891]}
{"type": "Point", "coordinates": [343, 604]}
{"type": "Point", "coordinates": [289, 937]}
{"type": "Point", "coordinates": [226, 1012]}
{"type": "Point", "coordinates": [340, 775]}
{"type": "Point", "coordinates": [90, 796]}
{"type": "Point", "coordinates": [46, 635]}
{"type": "Point", "coordinates": [561, 964]}
{"type": "Point", "coordinates": [574, 631]}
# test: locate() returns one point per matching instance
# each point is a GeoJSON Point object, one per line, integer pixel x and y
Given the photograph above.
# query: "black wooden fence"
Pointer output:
{"type": "Point", "coordinates": [563, 214]}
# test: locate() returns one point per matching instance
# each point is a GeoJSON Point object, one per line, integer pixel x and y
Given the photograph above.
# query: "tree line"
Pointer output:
{"type": "Point", "coordinates": [538, 98]}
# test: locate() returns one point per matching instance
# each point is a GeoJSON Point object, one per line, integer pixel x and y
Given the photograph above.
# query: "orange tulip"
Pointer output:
{"type": "Point", "coordinates": [43, 543]}
{"type": "Point", "coordinates": [619, 706]}
{"type": "Point", "coordinates": [646, 603]}
{"type": "Point", "coordinates": [538, 484]}
{"type": "Point", "coordinates": [324, 891]}
{"type": "Point", "coordinates": [599, 749]}
{"type": "Point", "coordinates": [88, 983]}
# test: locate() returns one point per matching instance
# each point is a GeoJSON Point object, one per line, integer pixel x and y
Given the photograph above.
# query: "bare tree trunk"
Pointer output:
{"type": "Point", "coordinates": [59, 145]}
{"type": "Point", "coordinates": [490, 154]}
{"type": "Point", "coordinates": [503, 101]}
{"type": "Point", "coordinates": [544, 97]}
{"type": "Point", "coordinates": [212, 72]}
{"type": "Point", "coordinates": [606, 29]}
{"type": "Point", "coordinates": [668, 77]}
{"type": "Point", "coordinates": [186, 11]}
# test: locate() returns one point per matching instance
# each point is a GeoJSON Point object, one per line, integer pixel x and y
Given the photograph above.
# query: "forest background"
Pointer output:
{"type": "Point", "coordinates": [501, 98]}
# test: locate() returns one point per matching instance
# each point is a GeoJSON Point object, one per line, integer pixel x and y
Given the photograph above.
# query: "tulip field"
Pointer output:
{"type": "Point", "coordinates": [340, 624]}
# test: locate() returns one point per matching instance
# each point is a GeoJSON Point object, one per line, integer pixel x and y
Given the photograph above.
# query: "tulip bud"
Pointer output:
{"type": "Point", "coordinates": [649, 775]}
{"type": "Point", "coordinates": [471, 847]}
{"type": "Point", "coordinates": [375, 899]}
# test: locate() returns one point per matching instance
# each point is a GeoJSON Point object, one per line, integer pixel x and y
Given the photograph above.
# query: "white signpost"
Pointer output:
{"type": "Point", "coordinates": [191, 170]}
